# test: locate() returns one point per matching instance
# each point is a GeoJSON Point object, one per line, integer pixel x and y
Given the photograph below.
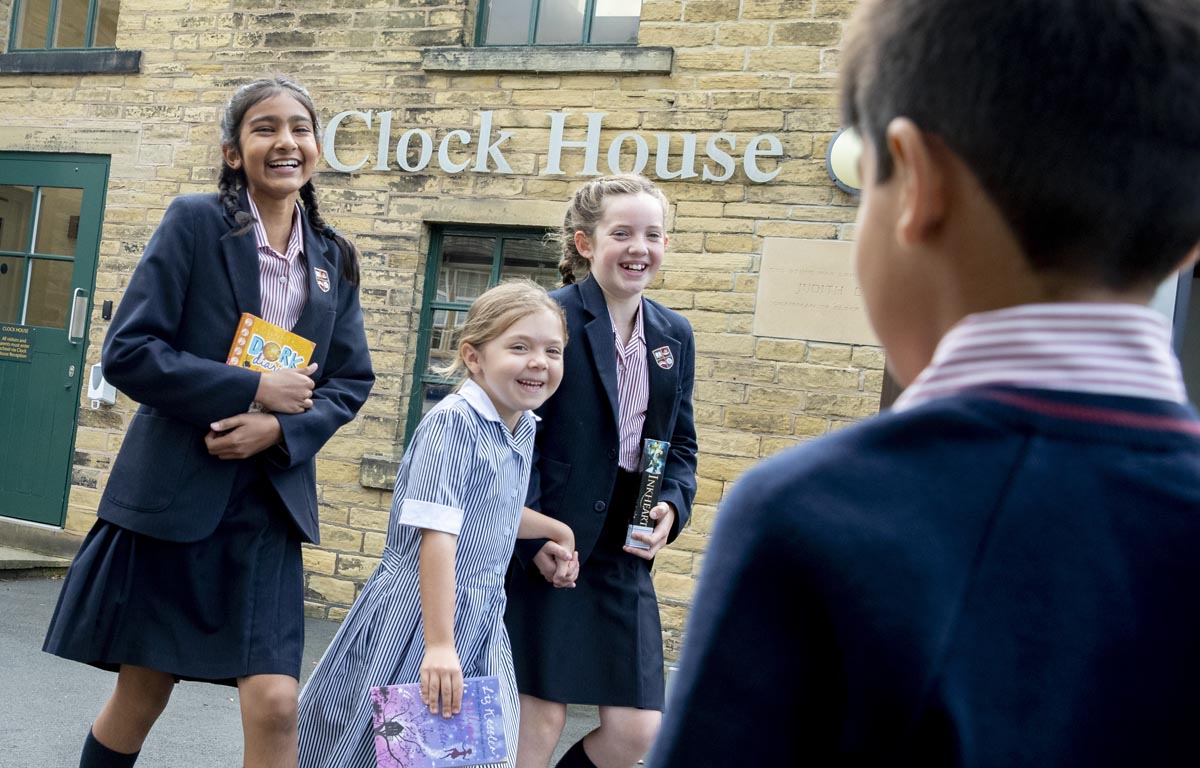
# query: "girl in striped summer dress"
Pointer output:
{"type": "Point", "coordinates": [433, 611]}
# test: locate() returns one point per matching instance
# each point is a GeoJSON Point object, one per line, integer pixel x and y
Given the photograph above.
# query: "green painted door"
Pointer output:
{"type": "Point", "coordinates": [51, 207]}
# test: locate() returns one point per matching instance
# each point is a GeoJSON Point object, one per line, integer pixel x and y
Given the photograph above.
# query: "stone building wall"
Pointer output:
{"type": "Point", "coordinates": [737, 67]}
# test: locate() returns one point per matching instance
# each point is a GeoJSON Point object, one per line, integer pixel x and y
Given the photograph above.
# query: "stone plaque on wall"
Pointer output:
{"type": "Point", "coordinates": [807, 290]}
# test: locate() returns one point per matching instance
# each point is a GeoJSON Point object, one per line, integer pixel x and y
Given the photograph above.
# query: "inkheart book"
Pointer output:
{"type": "Point", "coordinates": [651, 464]}
{"type": "Point", "coordinates": [408, 735]}
{"type": "Point", "coordinates": [263, 346]}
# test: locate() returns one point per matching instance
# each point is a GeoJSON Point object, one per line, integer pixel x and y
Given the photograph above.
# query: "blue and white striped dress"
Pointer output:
{"type": "Point", "coordinates": [466, 474]}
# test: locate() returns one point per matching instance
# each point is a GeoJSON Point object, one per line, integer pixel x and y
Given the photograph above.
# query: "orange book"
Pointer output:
{"type": "Point", "coordinates": [263, 346]}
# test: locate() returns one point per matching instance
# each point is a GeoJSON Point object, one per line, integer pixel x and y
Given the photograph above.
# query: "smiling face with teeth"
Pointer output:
{"type": "Point", "coordinates": [626, 248]}
{"type": "Point", "coordinates": [277, 148]}
{"type": "Point", "coordinates": [520, 368]}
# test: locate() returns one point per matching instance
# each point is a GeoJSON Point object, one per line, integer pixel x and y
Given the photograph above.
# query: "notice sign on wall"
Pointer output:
{"type": "Point", "coordinates": [16, 343]}
{"type": "Point", "coordinates": [807, 290]}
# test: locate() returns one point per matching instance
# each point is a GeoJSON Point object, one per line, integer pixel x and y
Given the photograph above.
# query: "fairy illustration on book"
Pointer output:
{"type": "Point", "coordinates": [408, 736]}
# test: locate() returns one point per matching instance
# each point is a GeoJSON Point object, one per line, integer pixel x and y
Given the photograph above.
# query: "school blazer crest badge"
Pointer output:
{"type": "Point", "coordinates": [664, 358]}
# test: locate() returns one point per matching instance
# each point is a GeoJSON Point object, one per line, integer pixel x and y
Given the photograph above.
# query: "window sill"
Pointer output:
{"type": "Point", "coordinates": [624, 59]}
{"type": "Point", "coordinates": [100, 60]}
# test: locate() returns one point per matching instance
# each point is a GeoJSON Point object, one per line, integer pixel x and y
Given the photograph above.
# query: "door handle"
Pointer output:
{"type": "Point", "coordinates": [79, 304]}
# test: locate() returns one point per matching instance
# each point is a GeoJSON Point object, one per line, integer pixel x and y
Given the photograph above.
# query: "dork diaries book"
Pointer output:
{"type": "Point", "coordinates": [408, 736]}
{"type": "Point", "coordinates": [263, 346]}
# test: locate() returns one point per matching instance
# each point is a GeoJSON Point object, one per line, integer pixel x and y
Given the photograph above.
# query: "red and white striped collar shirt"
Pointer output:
{"type": "Point", "coordinates": [633, 391]}
{"type": "Point", "coordinates": [282, 277]}
{"type": "Point", "coordinates": [1104, 349]}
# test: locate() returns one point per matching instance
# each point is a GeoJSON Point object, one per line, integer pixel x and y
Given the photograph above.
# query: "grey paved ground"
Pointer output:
{"type": "Point", "coordinates": [47, 703]}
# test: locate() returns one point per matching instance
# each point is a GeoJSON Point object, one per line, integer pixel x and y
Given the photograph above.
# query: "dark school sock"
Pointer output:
{"type": "Point", "coordinates": [96, 755]}
{"type": "Point", "coordinates": [576, 758]}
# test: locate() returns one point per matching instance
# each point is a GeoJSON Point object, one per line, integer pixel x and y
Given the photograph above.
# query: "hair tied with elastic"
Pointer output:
{"type": "Point", "coordinates": [584, 213]}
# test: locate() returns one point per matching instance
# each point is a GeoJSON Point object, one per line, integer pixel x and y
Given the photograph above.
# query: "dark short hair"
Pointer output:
{"type": "Point", "coordinates": [1080, 118]}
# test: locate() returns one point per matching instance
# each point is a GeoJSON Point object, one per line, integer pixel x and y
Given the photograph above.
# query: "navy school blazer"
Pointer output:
{"type": "Point", "coordinates": [166, 349]}
{"type": "Point", "coordinates": [576, 453]}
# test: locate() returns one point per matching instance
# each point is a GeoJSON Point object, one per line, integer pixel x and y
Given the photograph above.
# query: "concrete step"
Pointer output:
{"type": "Point", "coordinates": [42, 539]}
{"type": "Point", "coordinates": [29, 550]}
{"type": "Point", "coordinates": [21, 563]}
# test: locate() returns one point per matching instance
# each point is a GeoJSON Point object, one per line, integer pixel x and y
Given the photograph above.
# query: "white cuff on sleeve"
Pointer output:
{"type": "Point", "coordinates": [435, 517]}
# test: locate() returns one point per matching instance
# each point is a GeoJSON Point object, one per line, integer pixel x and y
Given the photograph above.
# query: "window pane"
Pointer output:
{"type": "Point", "coordinates": [534, 259]}
{"type": "Point", "coordinates": [432, 395]}
{"type": "Point", "coordinates": [33, 24]}
{"type": "Point", "coordinates": [443, 338]}
{"type": "Point", "coordinates": [58, 221]}
{"type": "Point", "coordinates": [49, 293]}
{"type": "Point", "coordinates": [72, 24]}
{"type": "Point", "coordinates": [560, 21]}
{"type": "Point", "coordinates": [508, 22]}
{"type": "Point", "coordinates": [106, 24]}
{"type": "Point", "coordinates": [443, 286]}
{"type": "Point", "coordinates": [469, 284]}
{"type": "Point", "coordinates": [616, 21]}
{"type": "Point", "coordinates": [12, 287]}
{"type": "Point", "coordinates": [466, 267]}
{"type": "Point", "coordinates": [16, 211]}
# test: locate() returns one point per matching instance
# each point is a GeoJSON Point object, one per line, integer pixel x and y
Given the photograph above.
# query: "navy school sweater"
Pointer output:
{"type": "Point", "coordinates": [1001, 578]}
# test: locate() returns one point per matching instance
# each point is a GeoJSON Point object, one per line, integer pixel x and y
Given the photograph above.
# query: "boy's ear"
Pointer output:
{"type": "Point", "coordinates": [233, 158]}
{"type": "Point", "coordinates": [583, 244]}
{"type": "Point", "coordinates": [920, 170]}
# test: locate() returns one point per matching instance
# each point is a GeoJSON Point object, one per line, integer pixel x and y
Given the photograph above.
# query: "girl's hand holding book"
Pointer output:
{"type": "Point", "coordinates": [286, 391]}
{"type": "Point", "coordinates": [664, 513]}
{"type": "Point", "coordinates": [442, 679]}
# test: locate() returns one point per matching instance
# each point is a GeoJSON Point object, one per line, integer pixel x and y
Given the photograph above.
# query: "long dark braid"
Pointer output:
{"type": "Point", "coordinates": [350, 255]}
{"type": "Point", "coordinates": [228, 186]}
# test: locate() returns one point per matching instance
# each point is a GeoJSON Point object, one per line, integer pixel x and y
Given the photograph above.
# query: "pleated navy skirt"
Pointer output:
{"type": "Point", "coordinates": [225, 607]}
{"type": "Point", "coordinates": [601, 642]}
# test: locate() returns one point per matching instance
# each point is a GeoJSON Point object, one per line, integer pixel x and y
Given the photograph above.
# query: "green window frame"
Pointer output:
{"type": "Point", "coordinates": [463, 262]}
{"type": "Point", "coordinates": [44, 25]}
{"type": "Point", "coordinates": [602, 22]}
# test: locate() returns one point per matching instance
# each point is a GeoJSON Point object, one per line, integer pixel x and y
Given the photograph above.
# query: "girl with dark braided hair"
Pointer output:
{"type": "Point", "coordinates": [193, 570]}
{"type": "Point", "coordinates": [233, 177]}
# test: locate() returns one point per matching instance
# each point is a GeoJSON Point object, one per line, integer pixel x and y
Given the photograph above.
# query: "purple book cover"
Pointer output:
{"type": "Point", "coordinates": [408, 736]}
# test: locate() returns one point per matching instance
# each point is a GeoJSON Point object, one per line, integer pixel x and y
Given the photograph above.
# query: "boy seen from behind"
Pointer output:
{"type": "Point", "coordinates": [1001, 571]}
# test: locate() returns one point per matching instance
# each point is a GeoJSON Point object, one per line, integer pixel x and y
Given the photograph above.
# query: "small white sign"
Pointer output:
{"type": "Point", "coordinates": [807, 290]}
